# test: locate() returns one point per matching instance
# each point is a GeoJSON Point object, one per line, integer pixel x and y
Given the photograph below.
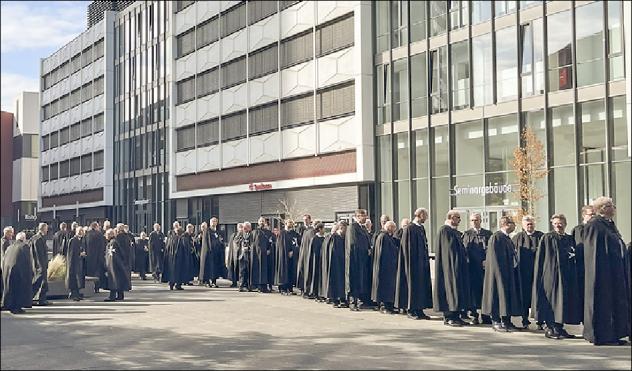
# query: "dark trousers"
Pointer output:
{"type": "Point", "coordinates": [451, 315]}
{"type": "Point", "coordinates": [74, 294]}
{"type": "Point", "coordinates": [117, 295]}
{"type": "Point", "coordinates": [244, 273]}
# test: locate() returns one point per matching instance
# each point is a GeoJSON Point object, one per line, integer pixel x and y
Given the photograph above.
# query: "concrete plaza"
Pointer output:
{"type": "Point", "coordinates": [222, 328]}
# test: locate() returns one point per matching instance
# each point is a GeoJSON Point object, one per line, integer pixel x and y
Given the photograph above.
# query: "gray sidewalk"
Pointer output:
{"type": "Point", "coordinates": [222, 328]}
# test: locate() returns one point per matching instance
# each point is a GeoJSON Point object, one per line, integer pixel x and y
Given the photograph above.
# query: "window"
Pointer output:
{"type": "Point", "coordinates": [504, 7]}
{"type": "Point", "coordinates": [185, 138]}
{"type": "Point", "coordinates": [75, 166]}
{"type": "Point", "coordinates": [527, 3]}
{"type": "Point", "coordinates": [182, 4]}
{"type": "Point", "coordinates": [506, 64]}
{"type": "Point", "coordinates": [400, 89]}
{"type": "Point", "coordinates": [421, 155]}
{"type": "Point", "coordinates": [186, 90]}
{"type": "Point", "coordinates": [419, 89]}
{"type": "Point", "coordinates": [98, 86]}
{"type": "Point", "coordinates": [86, 92]}
{"type": "Point", "coordinates": [284, 4]}
{"type": "Point", "coordinates": [441, 163]}
{"type": "Point", "coordinates": [98, 123]}
{"type": "Point", "coordinates": [76, 63]}
{"type": "Point", "coordinates": [562, 135]}
{"type": "Point", "coordinates": [334, 36]}
{"type": "Point", "coordinates": [403, 156]}
{"type": "Point", "coordinates": [86, 163]}
{"type": "Point", "coordinates": [208, 32]}
{"type": "Point", "coordinates": [615, 41]}
{"type": "Point", "coordinates": [482, 69]}
{"type": "Point", "coordinates": [399, 23]}
{"type": "Point", "coordinates": [233, 19]}
{"type": "Point", "coordinates": [502, 138]}
{"type": "Point", "coordinates": [438, 17]}
{"type": "Point", "coordinates": [64, 169]}
{"type": "Point", "coordinates": [185, 43]}
{"type": "Point", "coordinates": [383, 85]}
{"type": "Point", "coordinates": [86, 127]}
{"type": "Point", "coordinates": [258, 10]}
{"type": "Point", "coordinates": [75, 97]}
{"type": "Point", "coordinates": [559, 36]}
{"type": "Point", "coordinates": [593, 131]}
{"type": "Point", "coordinates": [234, 126]}
{"type": "Point", "coordinates": [468, 148]}
{"type": "Point", "coordinates": [589, 44]}
{"type": "Point", "coordinates": [459, 16]}
{"type": "Point", "coordinates": [417, 20]}
{"type": "Point", "coordinates": [297, 49]}
{"type": "Point", "coordinates": [45, 142]}
{"type": "Point", "coordinates": [207, 132]}
{"type": "Point", "coordinates": [439, 79]}
{"type": "Point", "coordinates": [263, 62]}
{"type": "Point", "coordinates": [385, 158]}
{"type": "Point", "coordinates": [532, 58]}
{"type": "Point", "coordinates": [233, 72]}
{"type": "Point", "coordinates": [98, 49]}
{"type": "Point", "coordinates": [481, 11]}
{"type": "Point", "coordinates": [98, 161]}
{"type": "Point", "coordinates": [297, 110]}
{"type": "Point", "coordinates": [460, 75]}
{"type": "Point", "coordinates": [54, 171]}
{"type": "Point", "coordinates": [64, 136]}
{"type": "Point", "coordinates": [54, 139]}
{"type": "Point", "coordinates": [45, 174]}
{"type": "Point", "coordinates": [335, 101]}
{"type": "Point", "coordinates": [86, 56]}
{"type": "Point", "coordinates": [381, 25]}
{"type": "Point", "coordinates": [75, 132]}
{"type": "Point", "coordinates": [208, 82]}
{"type": "Point", "coordinates": [264, 119]}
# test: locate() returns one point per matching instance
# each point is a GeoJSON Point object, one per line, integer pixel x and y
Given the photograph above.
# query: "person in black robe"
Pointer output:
{"type": "Point", "coordinates": [336, 285]}
{"type": "Point", "coordinates": [116, 266]}
{"type": "Point", "coordinates": [555, 290]}
{"type": "Point", "coordinates": [156, 252]}
{"type": "Point", "coordinates": [501, 287]}
{"type": "Point", "coordinates": [198, 241]}
{"type": "Point", "coordinates": [141, 250]}
{"type": "Point", "coordinates": [607, 283]}
{"type": "Point", "coordinates": [126, 249]}
{"type": "Point", "coordinates": [39, 252]}
{"type": "Point", "coordinates": [385, 257]}
{"type": "Point", "coordinates": [218, 252]}
{"type": "Point", "coordinates": [313, 269]}
{"type": "Point", "coordinates": [286, 253]}
{"type": "Point", "coordinates": [206, 259]}
{"type": "Point", "coordinates": [5, 242]}
{"type": "Point", "coordinates": [451, 291]}
{"type": "Point", "coordinates": [475, 241]}
{"type": "Point", "coordinates": [193, 259]}
{"type": "Point", "coordinates": [234, 245]}
{"type": "Point", "coordinates": [400, 231]}
{"type": "Point", "coordinates": [17, 274]}
{"type": "Point", "coordinates": [177, 260]}
{"type": "Point", "coordinates": [324, 265]}
{"type": "Point", "coordinates": [526, 243]}
{"type": "Point", "coordinates": [414, 285]}
{"type": "Point", "coordinates": [245, 247]}
{"type": "Point", "coordinates": [261, 246]}
{"type": "Point", "coordinates": [60, 239]}
{"type": "Point", "coordinates": [274, 233]}
{"type": "Point", "coordinates": [306, 237]}
{"type": "Point", "coordinates": [95, 255]}
{"type": "Point", "coordinates": [578, 235]}
{"type": "Point", "coordinates": [357, 262]}
{"type": "Point", "coordinates": [75, 279]}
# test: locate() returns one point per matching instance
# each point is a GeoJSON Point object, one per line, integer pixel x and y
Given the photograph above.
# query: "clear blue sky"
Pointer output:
{"type": "Point", "coordinates": [31, 30]}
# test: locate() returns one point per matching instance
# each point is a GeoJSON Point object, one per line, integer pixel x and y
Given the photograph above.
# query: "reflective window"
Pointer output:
{"type": "Point", "coordinates": [399, 19]}
{"type": "Point", "coordinates": [417, 20]}
{"type": "Point", "coordinates": [421, 193]}
{"type": "Point", "coordinates": [419, 87]}
{"type": "Point", "coordinates": [263, 62]}
{"type": "Point", "coordinates": [458, 14]}
{"type": "Point", "coordinates": [185, 138]}
{"type": "Point", "coordinates": [589, 44]}
{"type": "Point", "coordinates": [439, 79]}
{"type": "Point", "coordinates": [207, 32]}
{"type": "Point", "coordinates": [400, 90]}
{"type": "Point", "coordinates": [621, 180]}
{"type": "Point", "coordinates": [234, 126]}
{"type": "Point", "coordinates": [593, 128]}
{"type": "Point", "coordinates": [527, 3]}
{"type": "Point", "coordinates": [381, 25]}
{"type": "Point", "coordinates": [386, 198]}
{"type": "Point", "coordinates": [385, 158]}
{"type": "Point", "coordinates": [297, 49]}
{"type": "Point", "coordinates": [504, 7]}
{"type": "Point", "coordinates": [441, 163]}
{"type": "Point", "coordinates": [532, 58]}
{"type": "Point", "coordinates": [438, 17]}
{"type": "Point", "coordinates": [421, 153]}
{"type": "Point", "coordinates": [460, 75]}
{"type": "Point", "coordinates": [562, 140]}
{"type": "Point", "coordinates": [403, 158]}
{"type": "Point", "coordinates": [482, 69]}
{"type": "Point", "coordinates": [536, 122]}
{"type": "Point", "coordinates": [383, 85]}
{"type": "Point", "coordinates": [258, 10]}
{"type": "Point", "coordinates": [620, 129]}
{"type": "Point", "coordinates": [467, 199]}
{"type": "Point", "coordinates": [440, 204]}
{"type": "Point", "coordinates": [564, 193]}
{"type": "Point", "coordinates": [615, 41]}
{"type": "Point", "coordinates": [297, 111]}
{"type": "Point", "coordinates": [468, 148]}
{"type": "Point", "coordinates": [502, 138]}
{"type": "Point", "coordinates": [559, 36]}
{"type": "Point", "coordinates": [403, 199]}
{"type": "Point", "coordinates": [481, 11]}
{"type": "Point", "coordinates": [506, 64]}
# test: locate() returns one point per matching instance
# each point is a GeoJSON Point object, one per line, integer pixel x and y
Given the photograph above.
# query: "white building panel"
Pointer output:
{"type": "Point", "coordinates": [206, 10]}
{"type": "Point", "coordinates": [208, 107]}
{"type": "Point", "coordinates": [97, 103]}
{"type": "Point", "coordinates": [98, 67]}
{"type": "Point", "coordinates": [75, 148]}
{"type": "Point", "coordinates": [265, 147]}
{"type": "Point", "coordinates": [328, 10]}
{"type": "Point", "coordinates": [86, 181]}
{"type": "Point", "coordinates": [208, 158]}
{"type": "Point", "coordinates": [299, 141]}
{"type": "Point", "coordinates": [87, 73]}
{"type": "Point", "coordinates": [185, 114]}
{"type": "Point", "coordinates": [98, 178]}
{"type": "Point", "coordinates": [297, 18]}
{"type": "Point", "coordinates": [234, 99]}
{"type": "Point", "coordinates": [264, 32]}
{"type": "Point", "coordinates": [185, 162]}
{"type": "Point", "coordinates": [234, 45]}
{"type": "Point", "coordinates": [264, 89]}
{"type": "Point", "coordinates": [208, 57]}
{"type": "Point", "coordinates": [98, 142]}
{"type": "Point", "coordinates": [75, 113]}
{"type": "Point", "coordinates": [185, 19]}
{"type": "Point", "coordinates": [297, 79]}
{"type": "Point", "coordinates": [75, 80]}
{"type": "Point", "coordinates": [336, 67]}
{"type": "Point", "coordinates": [75, 184]}
{"type": "Point", "coordinates": [75, 46]}
{"type": "Point", "coordinates": [334, 134]}
{"type": "Point", "coordinates": [227, 4]}
{"type": "Point", "coordinates": [234, 153]}
{"type": "Point", "coordinates": [185, 66]}
{"type": "Point", "coordinates": [63, 186]}
{"type": "Point", "coordinates": [86, 109]}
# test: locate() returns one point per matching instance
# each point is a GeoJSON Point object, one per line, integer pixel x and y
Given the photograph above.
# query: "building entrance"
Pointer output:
{"type": "Point", "coordinates": [490, 215]}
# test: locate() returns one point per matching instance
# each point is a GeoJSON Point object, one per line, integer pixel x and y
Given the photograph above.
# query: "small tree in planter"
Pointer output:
{"type": "Point", "coordinates": [529, 164]}
{"type": "Point", "coordinates": [57, 268]}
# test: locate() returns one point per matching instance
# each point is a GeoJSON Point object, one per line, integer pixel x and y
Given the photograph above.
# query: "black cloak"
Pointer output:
{"type": "Point", "coordinates": [336, 284]}
{"type": "Point", "coordinates": [156, 251]}
{"type": "Point", "coordinates": [475, 243]}
{"type": "Point", "coordinates": [75, 279]}
{"type": "Point", "coordinates": [357, 262]}
{"type": "Point", "coordinates": [17, 275]}
{"type": "Point", "coordinates": [385, 255]}
{"type": "Point", "coordinates": [414, 285]}
{"type": "Point", "coordinates": [501, 288]}
{"type": "Point", "coordinates": [451, 292]}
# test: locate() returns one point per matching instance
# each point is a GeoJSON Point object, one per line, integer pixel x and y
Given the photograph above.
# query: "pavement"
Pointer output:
{"type": "Point", "coordinates": [199, 327]}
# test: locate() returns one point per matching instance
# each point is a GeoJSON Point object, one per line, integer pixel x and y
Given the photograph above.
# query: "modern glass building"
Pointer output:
{"type": "Point", "coordinates": [457, 81]}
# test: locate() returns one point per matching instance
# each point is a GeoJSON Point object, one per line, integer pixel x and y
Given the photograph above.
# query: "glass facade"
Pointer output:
{"type": "Point", "coordinates": [457, 148]}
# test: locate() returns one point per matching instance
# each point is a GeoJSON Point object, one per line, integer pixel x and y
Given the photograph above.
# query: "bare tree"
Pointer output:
{"type": "Point", "coordinates": [290, 210]}
{"type": "Point", "coordinates": [529, 164]}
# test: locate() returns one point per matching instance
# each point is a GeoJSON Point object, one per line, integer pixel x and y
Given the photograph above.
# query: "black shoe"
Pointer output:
{"type": "Point", "coordinates": [96, 290]}
{"type": "Point", "coordinates": [552, 334]}
{"type": "Point", "coordinates": [109, 299]}
{"type": "Point", "coordinates": [460, 321]}
{"type": "Point", "coordinates": [243, 289]}
{"type": "Point", "coordinates": [485, 320]}
{"type": "Point", "coordinates": [18, 311]}
{"type": "Point", "coordinates": [423, 315]}
{"type": "Point", "coordinates": [565, 335]}
{"type": "Point", "coordinates": [498, 327]}
{"type": "Point", "coordinates": [233, 285]}
{"type": "Point", "coordinates": [476, 321]}
{"type": "Point", "coordinates": [453, 323]}
{"type": "Point", "coordinates": [178, 287]}
{"type": "Point", "coordinates": [510, 327]}
{"type": "Point", "coordinates": [416, 316]}
{"type": "Point", "coordinates": [525, 324]}
{"type": "Point", "coordinates": [539, 327]}
{"type": "Point", "coordinates": [76, 299]}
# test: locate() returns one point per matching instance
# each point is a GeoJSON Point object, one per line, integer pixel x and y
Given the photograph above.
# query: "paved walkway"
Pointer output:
{"type": "Point", "coordinates": [222, 328]}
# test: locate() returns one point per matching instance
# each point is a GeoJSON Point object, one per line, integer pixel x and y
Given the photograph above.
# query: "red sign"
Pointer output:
{"type": "Point", "coordinates": [259, 187]}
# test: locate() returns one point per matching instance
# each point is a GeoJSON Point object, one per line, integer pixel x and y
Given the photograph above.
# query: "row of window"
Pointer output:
{"type": "Point", "coordinates": [72, 167]}
{"type": "Point", "coordinates": [74, 64]}
{"type": "Point", "coordinates": [80, 95]}
{"type": "Point", "coordinates": [330, 37]}
{"type": "Point", "coordinates": [475, 82]}
{"type": "Point", "coordinates": [73, 132]}
{"type": "Point", "coordinates": [331, 102]}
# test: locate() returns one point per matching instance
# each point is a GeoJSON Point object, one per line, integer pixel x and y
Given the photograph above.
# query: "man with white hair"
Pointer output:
{"type": "Point", "coordinates": [17, 275]}
{"type": "Point", "coordinates": [385, 255]}
{"type": "Point", "coordinates": [526, 243]}
{"type": "Point", "coordinates": [578, 236]}
{"type": "Point", "coordinates": [95, 255]}
{"type": "Point", "coordinates": [244, 258]}
{"type": "Point", "coordinates": [451, 293]}
{"type": "Point", "coordinates": [357, 262]}
{"type": "Point", "coordinates": [607, 282]}
{"type": "Point", "coordinates": [5, 242]}
{"type": "Point", "coordinates": [75, 280]}
{"type": "Point", "coordinates": [156, 251]}
{"type": "Point", "coordinates": [475, 241]}
{"type": "Point", "coordinates": [234, 244]}
{"type": "Point", "coordinates": [39, 252]}
{"type": "Point", "coordinates": [60, 238]}
{"type": "Point", "coordinates": [259, 255]}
